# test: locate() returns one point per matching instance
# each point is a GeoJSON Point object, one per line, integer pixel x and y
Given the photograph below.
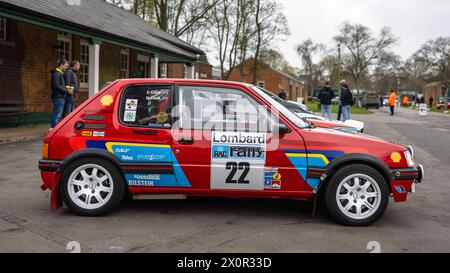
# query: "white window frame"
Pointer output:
{"type": "Point", "coordinates": [163, 70]}
{"type": "Point", "coordinates": [2, 28]}
{"type": "Point", "coordinates": [124, 66]}
{"type": "Point", "coordinates": [65, 38]}
{"type": "Point", "coordinates": [84, 63]}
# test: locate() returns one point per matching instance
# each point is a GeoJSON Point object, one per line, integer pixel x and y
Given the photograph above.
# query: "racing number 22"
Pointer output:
{"type": "Point", "coordinates": [234, 167]}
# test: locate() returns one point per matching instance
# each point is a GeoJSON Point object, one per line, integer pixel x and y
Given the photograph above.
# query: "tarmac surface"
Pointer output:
{"type": "Point", "coordinates": [234, 225]}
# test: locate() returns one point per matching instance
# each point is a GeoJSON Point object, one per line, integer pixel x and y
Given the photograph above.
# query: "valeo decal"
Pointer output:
{"type": "Point", "coordinates": [396, 157]}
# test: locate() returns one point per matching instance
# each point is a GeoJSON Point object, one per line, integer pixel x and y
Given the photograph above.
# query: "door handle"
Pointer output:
{"type": "Point", "coordinates": [184, 140]}
{"type": "Point", "coordinates": [145, 133]}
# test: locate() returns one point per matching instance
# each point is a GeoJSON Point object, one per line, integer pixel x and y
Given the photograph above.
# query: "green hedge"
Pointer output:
{"type": "Point", "coordinates": [27, 120]}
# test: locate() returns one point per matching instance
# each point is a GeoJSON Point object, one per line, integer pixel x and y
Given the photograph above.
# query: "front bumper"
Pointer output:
{"type": "Point", "coordinates": [403, 182]}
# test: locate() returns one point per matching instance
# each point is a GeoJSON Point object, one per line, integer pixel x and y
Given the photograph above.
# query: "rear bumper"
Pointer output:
{"type": "Point", "coordinates": [403, 182]}
{"type": "Point", "coordinates": [50, 177]}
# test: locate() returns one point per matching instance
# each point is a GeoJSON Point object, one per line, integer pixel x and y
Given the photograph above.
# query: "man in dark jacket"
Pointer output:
{"type": "Point", "coordinates": [282, 95]}
{"type": "Point", "coordinates": [71, 80]}
{"type": "Point", "coordinates": [346, 101]}
{"type": "Point", "coordinates": [59, 91]}
{"type": "Point", "coordinates": [326, 96]}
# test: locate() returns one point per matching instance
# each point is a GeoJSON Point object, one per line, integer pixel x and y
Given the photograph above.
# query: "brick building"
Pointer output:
{"type": "Point", "coordinates": [270, 78]}
{"type": "Point", "coordinates": [435, 90]}
{"type": "Point", "coordinates": [109, 42]}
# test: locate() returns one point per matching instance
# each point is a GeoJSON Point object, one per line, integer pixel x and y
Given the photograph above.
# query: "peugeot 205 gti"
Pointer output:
{"type": "Point", "coordinates": [166, 139]}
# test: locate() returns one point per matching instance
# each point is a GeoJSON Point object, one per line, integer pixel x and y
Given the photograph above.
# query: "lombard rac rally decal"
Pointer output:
{"type": "Point", "coordinates": [302, 160]}
{"type": "Point", "coordinates": [238, 160]}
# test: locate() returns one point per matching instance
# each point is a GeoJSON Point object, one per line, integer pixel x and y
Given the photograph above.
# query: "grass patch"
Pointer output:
{"type": "Point", "coordinates": [354, 110]}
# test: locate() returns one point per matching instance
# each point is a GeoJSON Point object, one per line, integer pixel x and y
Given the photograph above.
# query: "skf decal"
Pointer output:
{"type": "Point", "coordinates": [107, 100]}
{"type": "Point", "coordinates": [396, 157]}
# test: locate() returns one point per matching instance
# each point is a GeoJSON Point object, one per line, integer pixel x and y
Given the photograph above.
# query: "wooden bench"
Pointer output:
{"type": "Point", "coordinates": [16, 109]}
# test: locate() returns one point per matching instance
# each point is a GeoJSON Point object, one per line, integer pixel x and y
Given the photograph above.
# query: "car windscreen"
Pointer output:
{"type": "Point", "coordinates": [280, 108]}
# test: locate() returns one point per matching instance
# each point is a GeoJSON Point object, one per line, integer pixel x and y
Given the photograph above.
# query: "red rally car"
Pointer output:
{"type": "Point", "coordinates": [165, 139]}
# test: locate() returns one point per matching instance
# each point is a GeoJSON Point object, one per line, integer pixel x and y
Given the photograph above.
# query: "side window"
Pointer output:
{"type": "Point", "coordinates": [147, 106]}
{"type": "Point", "coordinates": [220, 109]}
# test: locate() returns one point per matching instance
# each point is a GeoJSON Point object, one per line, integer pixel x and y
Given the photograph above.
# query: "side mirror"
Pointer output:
{"type": "Point", "coordinates": [281, 129]}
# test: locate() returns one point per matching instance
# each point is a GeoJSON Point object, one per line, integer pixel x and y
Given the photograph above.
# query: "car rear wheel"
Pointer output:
{"type": "Point", "coordinates": [92, 187]}
{"type": "Point", "coordinates": [357, 195]}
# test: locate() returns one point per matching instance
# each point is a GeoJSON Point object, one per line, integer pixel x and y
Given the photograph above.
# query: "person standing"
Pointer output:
{"type": "Point", "coordinates": [325, 96]}
{"type": "Point", "coordinates": [346, 101]}
{"type": "Point", "coordinates": [71, 79]}
{"type": "Point", "coordinates": [59, 91]}
{"type": "Point", "coordinates": [282, 95]}
{"type": "Point", "coordinates": [392, 101]}
{"type": "Point", "coordinates": [430, 101]}
{"type": "Point", "coordinates": [405, 101]}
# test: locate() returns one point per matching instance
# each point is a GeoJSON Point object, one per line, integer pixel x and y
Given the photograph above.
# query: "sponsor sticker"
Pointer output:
{"type": "Point", "coordinates": [131, 104]}
{"type": "Point", "coordinates": [107, 100]}
{"type": "Point", "coordinates": [87, 133]}
{"type": "Point", "coordinates": [99, 134]}
{"type": "Point", "coordinates": [272, 179]}
{"type": "Point", "coordinates": [396, 157]}
{"type": "Point", "coordinates": [129, 116]}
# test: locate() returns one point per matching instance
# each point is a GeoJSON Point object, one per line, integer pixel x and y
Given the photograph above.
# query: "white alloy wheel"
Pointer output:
{"type": "Point", "coordinates": [358, 196]}
{"type": "Point", "coordinates": [90, 186]}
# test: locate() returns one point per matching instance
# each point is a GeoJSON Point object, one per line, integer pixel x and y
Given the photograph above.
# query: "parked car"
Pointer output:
{"type": "Point", "coordinates": [443, 106]}
{"type": "Point", "coordinates": [292, 106]}
{"type": "Point", "coordinates": [176, 138]}
{"type": "Point", "coordinates": [370, 100]}
{"type": "Point", "coordinates": [348, 126]}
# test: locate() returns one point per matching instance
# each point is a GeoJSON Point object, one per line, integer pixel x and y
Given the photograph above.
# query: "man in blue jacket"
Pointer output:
{"type": "Point", "coordinates": [71, 78]}
{"type": "Point", "coordinates": [59, 91]}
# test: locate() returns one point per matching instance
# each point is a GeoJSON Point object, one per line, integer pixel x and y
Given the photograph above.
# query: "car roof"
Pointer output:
{"type": "Point", "coordinates": [180, 81]}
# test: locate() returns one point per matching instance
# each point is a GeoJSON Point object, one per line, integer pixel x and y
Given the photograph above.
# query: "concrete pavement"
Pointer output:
{"type": "Point", "coordinates": [224, 225]}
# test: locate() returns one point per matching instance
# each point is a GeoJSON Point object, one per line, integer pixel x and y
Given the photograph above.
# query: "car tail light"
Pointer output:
{"type": "Point", "coordinates": [45, 148]}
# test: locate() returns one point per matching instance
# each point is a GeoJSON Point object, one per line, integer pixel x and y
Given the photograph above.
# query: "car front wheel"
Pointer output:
{"type": "Point", "coordinates": [92, 187]}
{"type": "Point", "coordinates": [357, 195]}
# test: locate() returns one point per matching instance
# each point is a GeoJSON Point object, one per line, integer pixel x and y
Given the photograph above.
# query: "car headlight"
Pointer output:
{"type": "Point", "coordinates": [409, 159]}
{"type": "Point", "coordinates": [411, 150]}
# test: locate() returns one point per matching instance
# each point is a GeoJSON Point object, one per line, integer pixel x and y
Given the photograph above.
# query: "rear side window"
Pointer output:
{"type": "Point", "coordinates": [147, 106]}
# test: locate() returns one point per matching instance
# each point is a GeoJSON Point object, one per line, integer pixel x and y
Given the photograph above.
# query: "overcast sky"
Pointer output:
{"type": "Point", "coordinates": [413, 21]}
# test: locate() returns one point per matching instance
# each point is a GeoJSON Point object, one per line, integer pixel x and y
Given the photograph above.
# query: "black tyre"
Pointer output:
{"type": "Point", "coordinates": [357, 195]}
{"type": "Point", "coordinates": [92, 187]}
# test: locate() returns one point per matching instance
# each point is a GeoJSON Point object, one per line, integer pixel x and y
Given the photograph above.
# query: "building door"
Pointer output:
{"type": "Point", "coordinates": [143, 66]}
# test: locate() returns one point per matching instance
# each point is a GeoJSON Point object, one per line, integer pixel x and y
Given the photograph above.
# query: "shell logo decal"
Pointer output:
{"type": "Point", "coordinates": [396, 157]}
{"type": "Point", "coordinates": [107, 100]}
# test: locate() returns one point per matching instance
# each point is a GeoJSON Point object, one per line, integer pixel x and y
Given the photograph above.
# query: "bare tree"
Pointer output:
{"type": "Point", "coordinates": [361, 50]}
{"type": "Point", "coordinates": [307, 51]}
{"type": "Point", "coordinates": [434, 56]}
{"type": "Point", "coordinates": [271, 24]}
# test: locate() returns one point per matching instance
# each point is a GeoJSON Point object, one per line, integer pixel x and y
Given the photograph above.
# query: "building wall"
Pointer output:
{"type": "Point", "coordinates": [31, 51]}
{"type": "Point", "coordinates": [434, 90]}
{"type": "Point", "coordinates": [273, 80]}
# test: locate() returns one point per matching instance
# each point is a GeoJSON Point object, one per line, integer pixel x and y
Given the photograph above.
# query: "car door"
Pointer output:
{"type": "Point", "coordinates": [222, 142]}
{"type": "Point", "coordinates": [141, 137]}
